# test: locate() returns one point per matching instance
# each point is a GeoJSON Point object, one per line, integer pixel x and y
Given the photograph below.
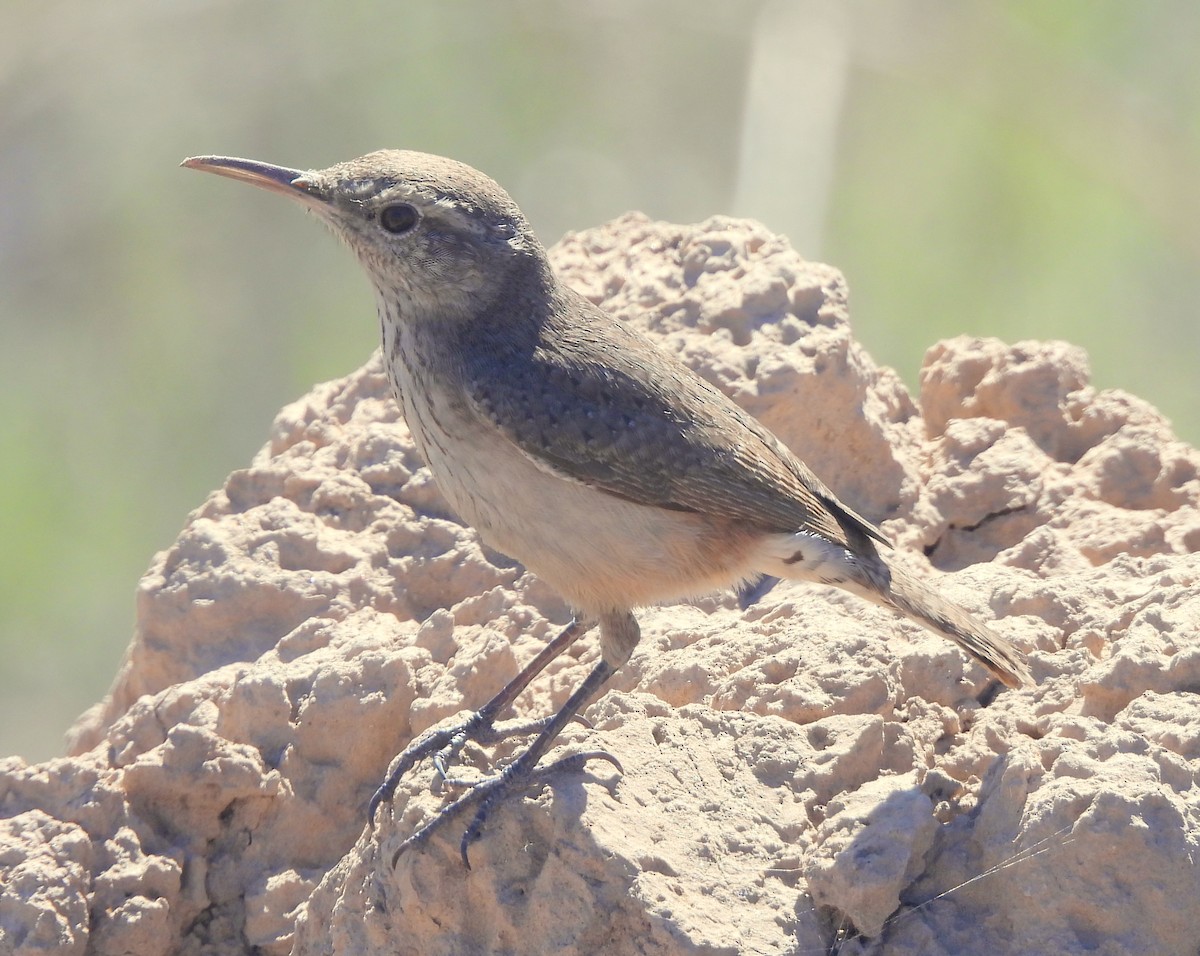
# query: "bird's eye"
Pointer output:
{"type": "Point", "coordinates": [398, 218]}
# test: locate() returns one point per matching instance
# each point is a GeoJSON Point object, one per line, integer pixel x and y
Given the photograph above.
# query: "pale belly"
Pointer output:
{"type": "Point", "coordinates": [598, 551]}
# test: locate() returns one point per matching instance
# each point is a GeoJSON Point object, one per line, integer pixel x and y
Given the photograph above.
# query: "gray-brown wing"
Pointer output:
{"type": "Point", "coordinates": [598, 403]}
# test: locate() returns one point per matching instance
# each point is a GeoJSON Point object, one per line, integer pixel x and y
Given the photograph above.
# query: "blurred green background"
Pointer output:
{"type": "Point", "coordinates": [1016, 169]}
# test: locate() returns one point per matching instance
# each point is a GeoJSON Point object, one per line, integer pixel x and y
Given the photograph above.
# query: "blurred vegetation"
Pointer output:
{"type": "Point", "coordinates": [1011, 168]}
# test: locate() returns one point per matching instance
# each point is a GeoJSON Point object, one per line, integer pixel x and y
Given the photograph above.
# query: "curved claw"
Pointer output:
{"type": "Point", "coordinates": [435, 740]}
{"type": "Point", "coordinates": [443, 758]}
{"type": "Point", "coordinates": [578, 761]}
{"type": "Point", "coordinates": [478, 792]}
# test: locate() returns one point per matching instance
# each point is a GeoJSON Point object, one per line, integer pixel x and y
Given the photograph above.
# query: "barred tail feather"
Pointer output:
{"type": "Point", "coordinates": [808, 556]}
{"type": "Point", "coordinates": [920, 602]}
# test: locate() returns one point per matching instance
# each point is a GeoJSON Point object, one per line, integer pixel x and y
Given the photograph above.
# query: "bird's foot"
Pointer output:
{"type": "Point", "coordinates": [445, 744]}
{"type": "Point", "coordinates": [518, 778]}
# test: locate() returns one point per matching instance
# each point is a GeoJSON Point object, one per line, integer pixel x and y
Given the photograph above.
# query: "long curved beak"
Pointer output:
{"type": "Point", "coordinates": [301, 185]}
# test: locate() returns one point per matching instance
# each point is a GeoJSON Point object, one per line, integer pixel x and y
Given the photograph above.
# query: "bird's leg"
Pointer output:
{"type": "Point", "coordinates": [619, 634]}
{"type": "Point", "coordinates": [523, 773]}
{"type": "Point", "coordinates": [445, 743]}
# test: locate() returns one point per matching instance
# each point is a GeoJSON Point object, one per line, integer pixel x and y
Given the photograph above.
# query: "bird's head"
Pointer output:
{"type": "Point", "coordinates": [439, 239]}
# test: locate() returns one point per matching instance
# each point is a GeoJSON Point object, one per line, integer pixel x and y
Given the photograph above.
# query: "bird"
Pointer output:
{"type": "Point", "coordinates": [574, 444]}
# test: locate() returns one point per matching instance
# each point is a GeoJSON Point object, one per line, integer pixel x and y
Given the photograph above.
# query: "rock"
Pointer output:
{"type": "Point", "coordinates": [809, 775]}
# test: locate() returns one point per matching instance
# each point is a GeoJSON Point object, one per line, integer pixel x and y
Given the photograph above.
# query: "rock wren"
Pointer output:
{"type": "Point", "coordinates": [572, 443]}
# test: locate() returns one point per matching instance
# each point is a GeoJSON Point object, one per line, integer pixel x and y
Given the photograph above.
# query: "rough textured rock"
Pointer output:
{"type": "Point", "coordinates": [810, 775]}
